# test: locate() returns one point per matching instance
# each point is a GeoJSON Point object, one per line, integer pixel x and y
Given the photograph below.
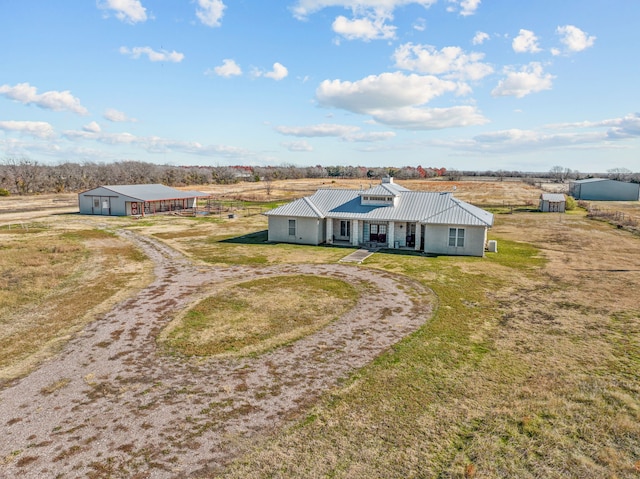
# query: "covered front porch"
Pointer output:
{"type": "Point", "coordinates": [374, 234]}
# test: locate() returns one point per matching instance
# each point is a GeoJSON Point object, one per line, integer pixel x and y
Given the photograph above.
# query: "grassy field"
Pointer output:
{"type": "Point", "coordinates": [53, 281]}
{"type": "Point", "coordinates": [255, 316]}
{"type": "Point", "coordinates": [529, 367]}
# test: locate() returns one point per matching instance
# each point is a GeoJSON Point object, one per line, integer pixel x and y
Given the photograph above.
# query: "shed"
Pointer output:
{"type": "Point", "coordinates": [604, 189]}
{"type": "Point", "coordinates": [552, 202]}
{"type": "Point", "coordinates": [123, 200]}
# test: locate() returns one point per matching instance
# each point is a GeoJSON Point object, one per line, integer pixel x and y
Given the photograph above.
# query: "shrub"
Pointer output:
{"type": "Point", "coordinates": [4, 192]}
{"type": "Point", "coordinates": [570, 204]}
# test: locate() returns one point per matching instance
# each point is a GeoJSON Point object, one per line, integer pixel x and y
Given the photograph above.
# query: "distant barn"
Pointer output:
{"type": "Point", "coordinates": [125, 200]}
{"type": "Point", "coordinates": [553, 202]}
{"type": "Point", "coordinates": [604, 189]}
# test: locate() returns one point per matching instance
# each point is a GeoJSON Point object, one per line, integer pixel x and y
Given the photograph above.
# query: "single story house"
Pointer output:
{"type": "Point", "coordinates": [387, 215]}
{"type": "Point", "coordinates": [124, 200]}
{"type": "Point", "coordinates": [553, 202]}
{"type": "Point", "coordinates": [604, 189]}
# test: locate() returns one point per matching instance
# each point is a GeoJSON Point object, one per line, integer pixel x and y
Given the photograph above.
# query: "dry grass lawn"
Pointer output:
{"type": "Point", "coordinates": [253, 317]}
{"type": "Point", "coordinates": [529, 367]}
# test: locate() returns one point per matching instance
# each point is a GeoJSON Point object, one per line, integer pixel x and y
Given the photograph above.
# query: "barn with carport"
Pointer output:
{"type": "Point", "coordinates": [137, 200]}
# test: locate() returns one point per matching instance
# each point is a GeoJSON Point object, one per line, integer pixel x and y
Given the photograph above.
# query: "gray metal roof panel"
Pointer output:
{"type": "Point", "coordinates": [152, 192]}
{"type": "Point", "coordinates": [553, 197]}
{"type": "Point", "coordinates": [426, 207]}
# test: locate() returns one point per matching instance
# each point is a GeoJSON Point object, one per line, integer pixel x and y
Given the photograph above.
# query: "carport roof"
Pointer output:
{"type": "Point", "coordinates": [150, 192]}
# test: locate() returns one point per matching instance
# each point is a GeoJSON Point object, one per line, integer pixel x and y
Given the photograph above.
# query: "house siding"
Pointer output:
{"type": "Point", "coordinates": [436, 240]}
{"type": "Point", "coordinates": [308, 230]}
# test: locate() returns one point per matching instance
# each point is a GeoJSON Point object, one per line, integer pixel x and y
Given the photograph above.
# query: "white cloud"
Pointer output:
{"type": "Point", "coordinates": [49, 100]}
{"type": "Point", "coordinates": [574, 39]}
{"type": "Point", "coordinates": [278, 73]}
{"type": "Point", "coordinates": [210, 12]}
{"type": "Point", "coordinates": [526, 41]}
{"type": "Point", "coordinates": [411, 118]}
{"type": "Point", "coordinates": [303, 8]}
{"type": "Point", "coordinates": [130, 11]}
{"type": "Point", "coordinates": [117, 116]}
{"type": "Point", "coordinates": [153, 55]}
{"type": "Point", "coordinates": [385, 91]}
{"type": "Point", "coordinates": [344, 132]}
{"type": "Point", "coordinates": [364, 28]}
{"type": "Point", "coordinates": [479, 38]}
{"type": "Point", "coordinates": [228, 69]}
{"type": "Point", "coordinates": [467, 7]}
{"type": "Point", "coordinates": [530, 79]}
{"type": "Point", "coordinates": [321, 130]}
{"type": "Point", "coordinates": [38, 129]}
{"type": "Point", "coordinates": [297, 146]}
{"type": "Point", "coordinates": [449, 61]}
{"type": "Point", "coordinates": [92, 127]}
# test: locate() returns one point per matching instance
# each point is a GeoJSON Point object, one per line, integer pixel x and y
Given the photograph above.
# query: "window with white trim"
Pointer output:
{"type": "Point", "coordinates": [456, 237]}
{"type": "Point", "coordinates": [292, 227]}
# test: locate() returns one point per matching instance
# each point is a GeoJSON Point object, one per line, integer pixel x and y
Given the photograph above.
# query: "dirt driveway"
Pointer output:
{"type": "Point", "coordinates": [110, 406]}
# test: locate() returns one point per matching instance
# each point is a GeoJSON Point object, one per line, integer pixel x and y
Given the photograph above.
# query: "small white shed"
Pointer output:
{"type": "Point", "coordinates": [553, 202]}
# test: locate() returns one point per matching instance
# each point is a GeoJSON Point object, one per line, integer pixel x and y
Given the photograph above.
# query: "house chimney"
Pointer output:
{"type": "Point", "coordinates": [387, 179]}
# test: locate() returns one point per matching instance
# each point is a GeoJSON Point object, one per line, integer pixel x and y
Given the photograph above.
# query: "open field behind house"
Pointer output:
{"type": "Point", "coordinates": [522, 363]}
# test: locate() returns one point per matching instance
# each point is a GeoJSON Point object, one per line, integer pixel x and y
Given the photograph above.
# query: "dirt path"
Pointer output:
{"type": "Point", "coordinates": [110, 406]}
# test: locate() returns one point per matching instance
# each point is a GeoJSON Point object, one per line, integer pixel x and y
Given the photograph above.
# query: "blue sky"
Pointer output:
{"type": "Point", "coordinates": [464, 84]}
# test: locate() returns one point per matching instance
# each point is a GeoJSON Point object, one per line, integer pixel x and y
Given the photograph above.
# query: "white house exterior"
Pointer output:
{"type": "Point", "coordinates": [553, 202]}
{"type": "Point", "coordinates": [388, 216]}
{"type": "Point", "coordinates": [124, 200]}
{"type": "Point", "coordinates": [604, 189]}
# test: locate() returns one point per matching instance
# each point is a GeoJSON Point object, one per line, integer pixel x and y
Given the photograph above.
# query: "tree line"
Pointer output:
{"type": "Point", "coordinates": [23, 176]}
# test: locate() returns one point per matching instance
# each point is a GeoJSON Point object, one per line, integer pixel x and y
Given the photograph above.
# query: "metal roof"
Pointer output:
{"type": "Point", "coordinates": [151, 192]}
{"type": "Point", "coordinates": [553, 197]}
{"type": "Point", "coordinates": [592, 180]}
{"type": "Point", "coordinates": [422, 206]}
{"type": "Point", "coordinates": [385, 189]}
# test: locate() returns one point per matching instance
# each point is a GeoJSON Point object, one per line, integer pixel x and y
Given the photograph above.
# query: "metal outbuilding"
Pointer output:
{"type": "Point", "coordinates": [124, 200]}
{"type": "Point", "coordinates": [604, 189]}
{"type": "Point", "coordinates": [553, 202]}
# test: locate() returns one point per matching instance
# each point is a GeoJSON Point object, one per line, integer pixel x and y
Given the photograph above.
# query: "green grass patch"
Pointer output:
{"type": "Point", "coordinates": [255, 316]}
{"type": "Point", "coordinates": [517, 255]}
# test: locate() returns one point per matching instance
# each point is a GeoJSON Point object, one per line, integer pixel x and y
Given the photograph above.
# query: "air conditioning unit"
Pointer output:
{"type": "Point", "coordinates": [492, 246]}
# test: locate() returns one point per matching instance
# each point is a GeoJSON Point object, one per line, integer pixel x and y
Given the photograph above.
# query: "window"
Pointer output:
{"type": "Point", "coordinates": [96, 202]}
{"type": "Point", "coordinates": [456, 237]}
{"type": "Point", "coordinates": [292, 227]}
{"type": "Point", "coordinates": [345, 228]}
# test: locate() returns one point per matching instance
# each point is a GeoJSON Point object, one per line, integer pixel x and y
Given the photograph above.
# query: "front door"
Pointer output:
{"type": "Point", "coordinates": [411, 234]}
{"type": "Point", "coordinates": [378, 233]}
{"type": "Point", "coordinates": [345, 229]}
{"type": "Point", "coordinates": [105, 202]}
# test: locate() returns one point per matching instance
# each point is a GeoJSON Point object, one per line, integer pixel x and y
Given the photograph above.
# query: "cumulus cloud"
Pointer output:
{"type": "Point", "coordinates": [412, 118]}
{"type": "Point", "coordinates": [278, 73]}
{"type": "Point", "coordinates": [152, 55]}
{"type": "Point", "coordinates": [92, 127]}
{"type": "Point", "coordinates": [370, 28]}
{"type": "Point", "coordinates": [525, 42]}
{"type": "Point", "coordinates": [344, 132]}
{"type": "Point", "coordinates": [574, 39]}
{"type": "Point", "coordinates": [297, 146]}
{"type": "Point", "coordinates": [37, 129]}
{"type": "Point", "coordinates": [130, 11]}
{"type": "Point", "coordinates": [117, 116]}
{"type": "Point", "coordinates": [49, 100]}
{"type": "Point", "coordinates": [228, 69]}
{"type": "Point", "coordinates": [479, 38]}
{"type": "Point", "coordinates": [385, 91]}
{"type": "Point", "coordinates": [467, 7]}
{"type": "Point", "coordinates": [210, 12]}
{"type": "Point", "coordinates": [452, 62]}
{"type": "Point", "coordinates": [530, 79]}
{"type": "Point", "coordinates": [303, 8]}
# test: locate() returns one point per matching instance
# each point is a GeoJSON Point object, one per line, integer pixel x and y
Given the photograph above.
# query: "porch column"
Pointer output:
{"type": "Point", "coordinates": [329, 237]}
{"type": "Point", "coordinates": [418, 236]}
{"type": "Point", "coordinates": [391, 234]}
{"type": "Point", "coordinates": [355, 232]}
